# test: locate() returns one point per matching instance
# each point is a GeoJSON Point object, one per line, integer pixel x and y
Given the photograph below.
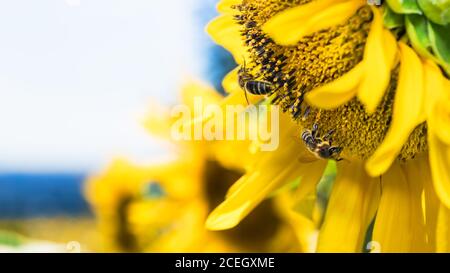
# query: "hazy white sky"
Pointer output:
{"type": "Point", "coordinates": [76, 75]}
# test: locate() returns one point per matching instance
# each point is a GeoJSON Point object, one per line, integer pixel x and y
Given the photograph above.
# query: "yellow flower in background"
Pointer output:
{"type": "Point", "coordinates": [163, 208]}
{"type": "Point", "coordinates": [334, 64]}
{"type": "Point", "coordinates": [123, 185]}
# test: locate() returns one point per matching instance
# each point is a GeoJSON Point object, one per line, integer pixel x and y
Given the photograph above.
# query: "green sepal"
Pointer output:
{"type": "Point", "coordinates": [417, 29]}
{"type": "Point", "coordinates": [438, 11]}
{"type": "Point", "coordinates": [392, 19]}
{"type": "Point", "coordinates": [440, 43]}
{"type": "Point", "coordinates": [404, 6]}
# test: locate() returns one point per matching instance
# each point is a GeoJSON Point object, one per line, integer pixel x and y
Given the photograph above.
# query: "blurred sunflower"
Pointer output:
{"type": "Point", "coordinates": [162, 208]}
{"type": "Point", "coordinates": [375, 76]}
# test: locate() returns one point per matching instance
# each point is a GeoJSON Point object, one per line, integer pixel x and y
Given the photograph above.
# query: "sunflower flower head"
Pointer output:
{"type": "Point", "coordinates": [333, 60]}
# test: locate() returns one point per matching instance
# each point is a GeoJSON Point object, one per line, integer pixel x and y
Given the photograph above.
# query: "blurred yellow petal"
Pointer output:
{"type": "Point", "coordinates": [248, 196]}
{"type": "Point", "coordinates": [305, 229]}
{"type": "Point", "coordinates": [230, 82]}
{"type": "Point", "coordinates": [437, 90]}
{"type": "Point", "coordinates": [379, 55]}
{"type": "Point", "coordinates": [414, 172]}
{"type": "Point", "coordinates": [158, 121]}
{"type": "Point", "coordinates": [407, 113]}
{"type": "Point", "coordinates": [439, 118]}
{"type": "Point", "coordinates": [350, 210]}
{"type": "Point", "coordinates": [338, 92]}
{"type": "Point", "coordinates": [433, 84]}
{"type": "Point", "coordinates": [193, 90]}
{"type": "Point", "coordinates": [432, 202]}
{"type": "Point", "coordinates": [439, 153]}
{"type": "Point", "coordinates": [397, 224]}
{"type": "Point", "coordinates": [443, 230]}
{"type": "Point", "coordinates": [289, 26]}
{"type": "Point", "coordinates": [226, 32]}
{"type": "Point", "coordinates": [311, 175]}
{"type": "Point", "coordinates": [226, 155]}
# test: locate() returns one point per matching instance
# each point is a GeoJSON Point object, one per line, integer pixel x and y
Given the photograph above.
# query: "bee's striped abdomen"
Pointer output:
{"type": "Point", "coordinates": [258, 87]}
{"type": "Point", "coordinates": [308, 139]}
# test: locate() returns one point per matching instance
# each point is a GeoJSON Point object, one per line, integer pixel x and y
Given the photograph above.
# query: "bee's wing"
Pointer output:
{"type": "Point", "coordinates": [307, 157]}
{"type": "Point", "coordinates": [304, 156]}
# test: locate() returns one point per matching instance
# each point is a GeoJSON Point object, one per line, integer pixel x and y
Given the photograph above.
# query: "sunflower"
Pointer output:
{"type": "Point", "coordinates": [162, 208]}
{"type": "Point", "coordinates": [374, 76]}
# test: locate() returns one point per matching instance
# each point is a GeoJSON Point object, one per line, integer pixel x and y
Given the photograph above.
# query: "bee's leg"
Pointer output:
{"type": "Point", "coordinates": [245, 94]}
{"type": "Point", "coordinates": [314, 131]}
{"type": "Point", "coordinates": [295, 111]}
{"type": "Point", "coordinates": [328, 135]}
{"type": "Point", "coordinates": [306, 114]}
{"type": "Point", "coordinates": [335, 150]}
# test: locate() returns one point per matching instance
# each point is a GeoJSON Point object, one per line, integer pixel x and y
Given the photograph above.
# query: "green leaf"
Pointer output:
{"type": "Point", "coordinates": [404, 6]}
{"type": "Point", "coordinates": [417, 29]}
{"type": "Point", "coordinates": [437, 11]}
{"type": "Point", "coordinates": [392, 19]}
{"type": "Point", "coordinates": [440, 43]}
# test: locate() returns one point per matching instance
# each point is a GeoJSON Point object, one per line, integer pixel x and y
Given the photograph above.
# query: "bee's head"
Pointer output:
{"type": "Point", "coordinates": [324, 150]}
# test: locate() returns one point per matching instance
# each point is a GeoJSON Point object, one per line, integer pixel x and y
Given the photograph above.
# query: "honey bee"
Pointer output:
{"type": "Point", "coordinates": [321, 147]}
{"type": "Point", "coordinates": [256, 87]}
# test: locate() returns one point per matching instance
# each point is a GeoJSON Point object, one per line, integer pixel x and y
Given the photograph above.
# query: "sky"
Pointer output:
{"type": "Point", "coordinates": [76, 76]}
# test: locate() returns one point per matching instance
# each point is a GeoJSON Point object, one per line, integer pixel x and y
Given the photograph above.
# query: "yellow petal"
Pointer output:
{"type": "Point", "coordinates": [397, 221]}
{"type": "Point", "coordinates": [415, 175]}
{"type": "Point", "coordinates": [407, 113]}
{"type": "Point", "coordinates": [379, 55]}
{"type": "Point", "coordinates": [194, 89]}
{"type": "Point", "coordinates": [350, 210]}
{"type": "Point", "coordinates": [338, 92]}
{"type": "Point", "coordinates": [439, 156]}
{"type": "Point", "coordinates": [289, 26]}
{"type": "Point", "coordinates": [252, 192]}
{"type": "Point", "coordinates": [226, 32]}
{"type": "Point", "coordinates": [437, 106]}
{"type": "Point", "coordinates": [304, 228]}
{"type": "Point", "coordinates": [432, 202]}
{"type": "Point", "coordinates": [230, 82]}
{"type": "Point", "coordinates": [433, 84]}
{"type": "Point", "coordinates": [438, 101]}
{"type": "Point", "coordinates": [443, 230]}
{"type": "Point", "coordinates": [439, 119]}
{"type": "Point", "coordinates": [224, 6]}
{"type": "Point", "coordinates": [311, 175]}
{"type": "Point", "coordinates": [390, 48]}
{"type": "Point", "coordinates": [158, 121]}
